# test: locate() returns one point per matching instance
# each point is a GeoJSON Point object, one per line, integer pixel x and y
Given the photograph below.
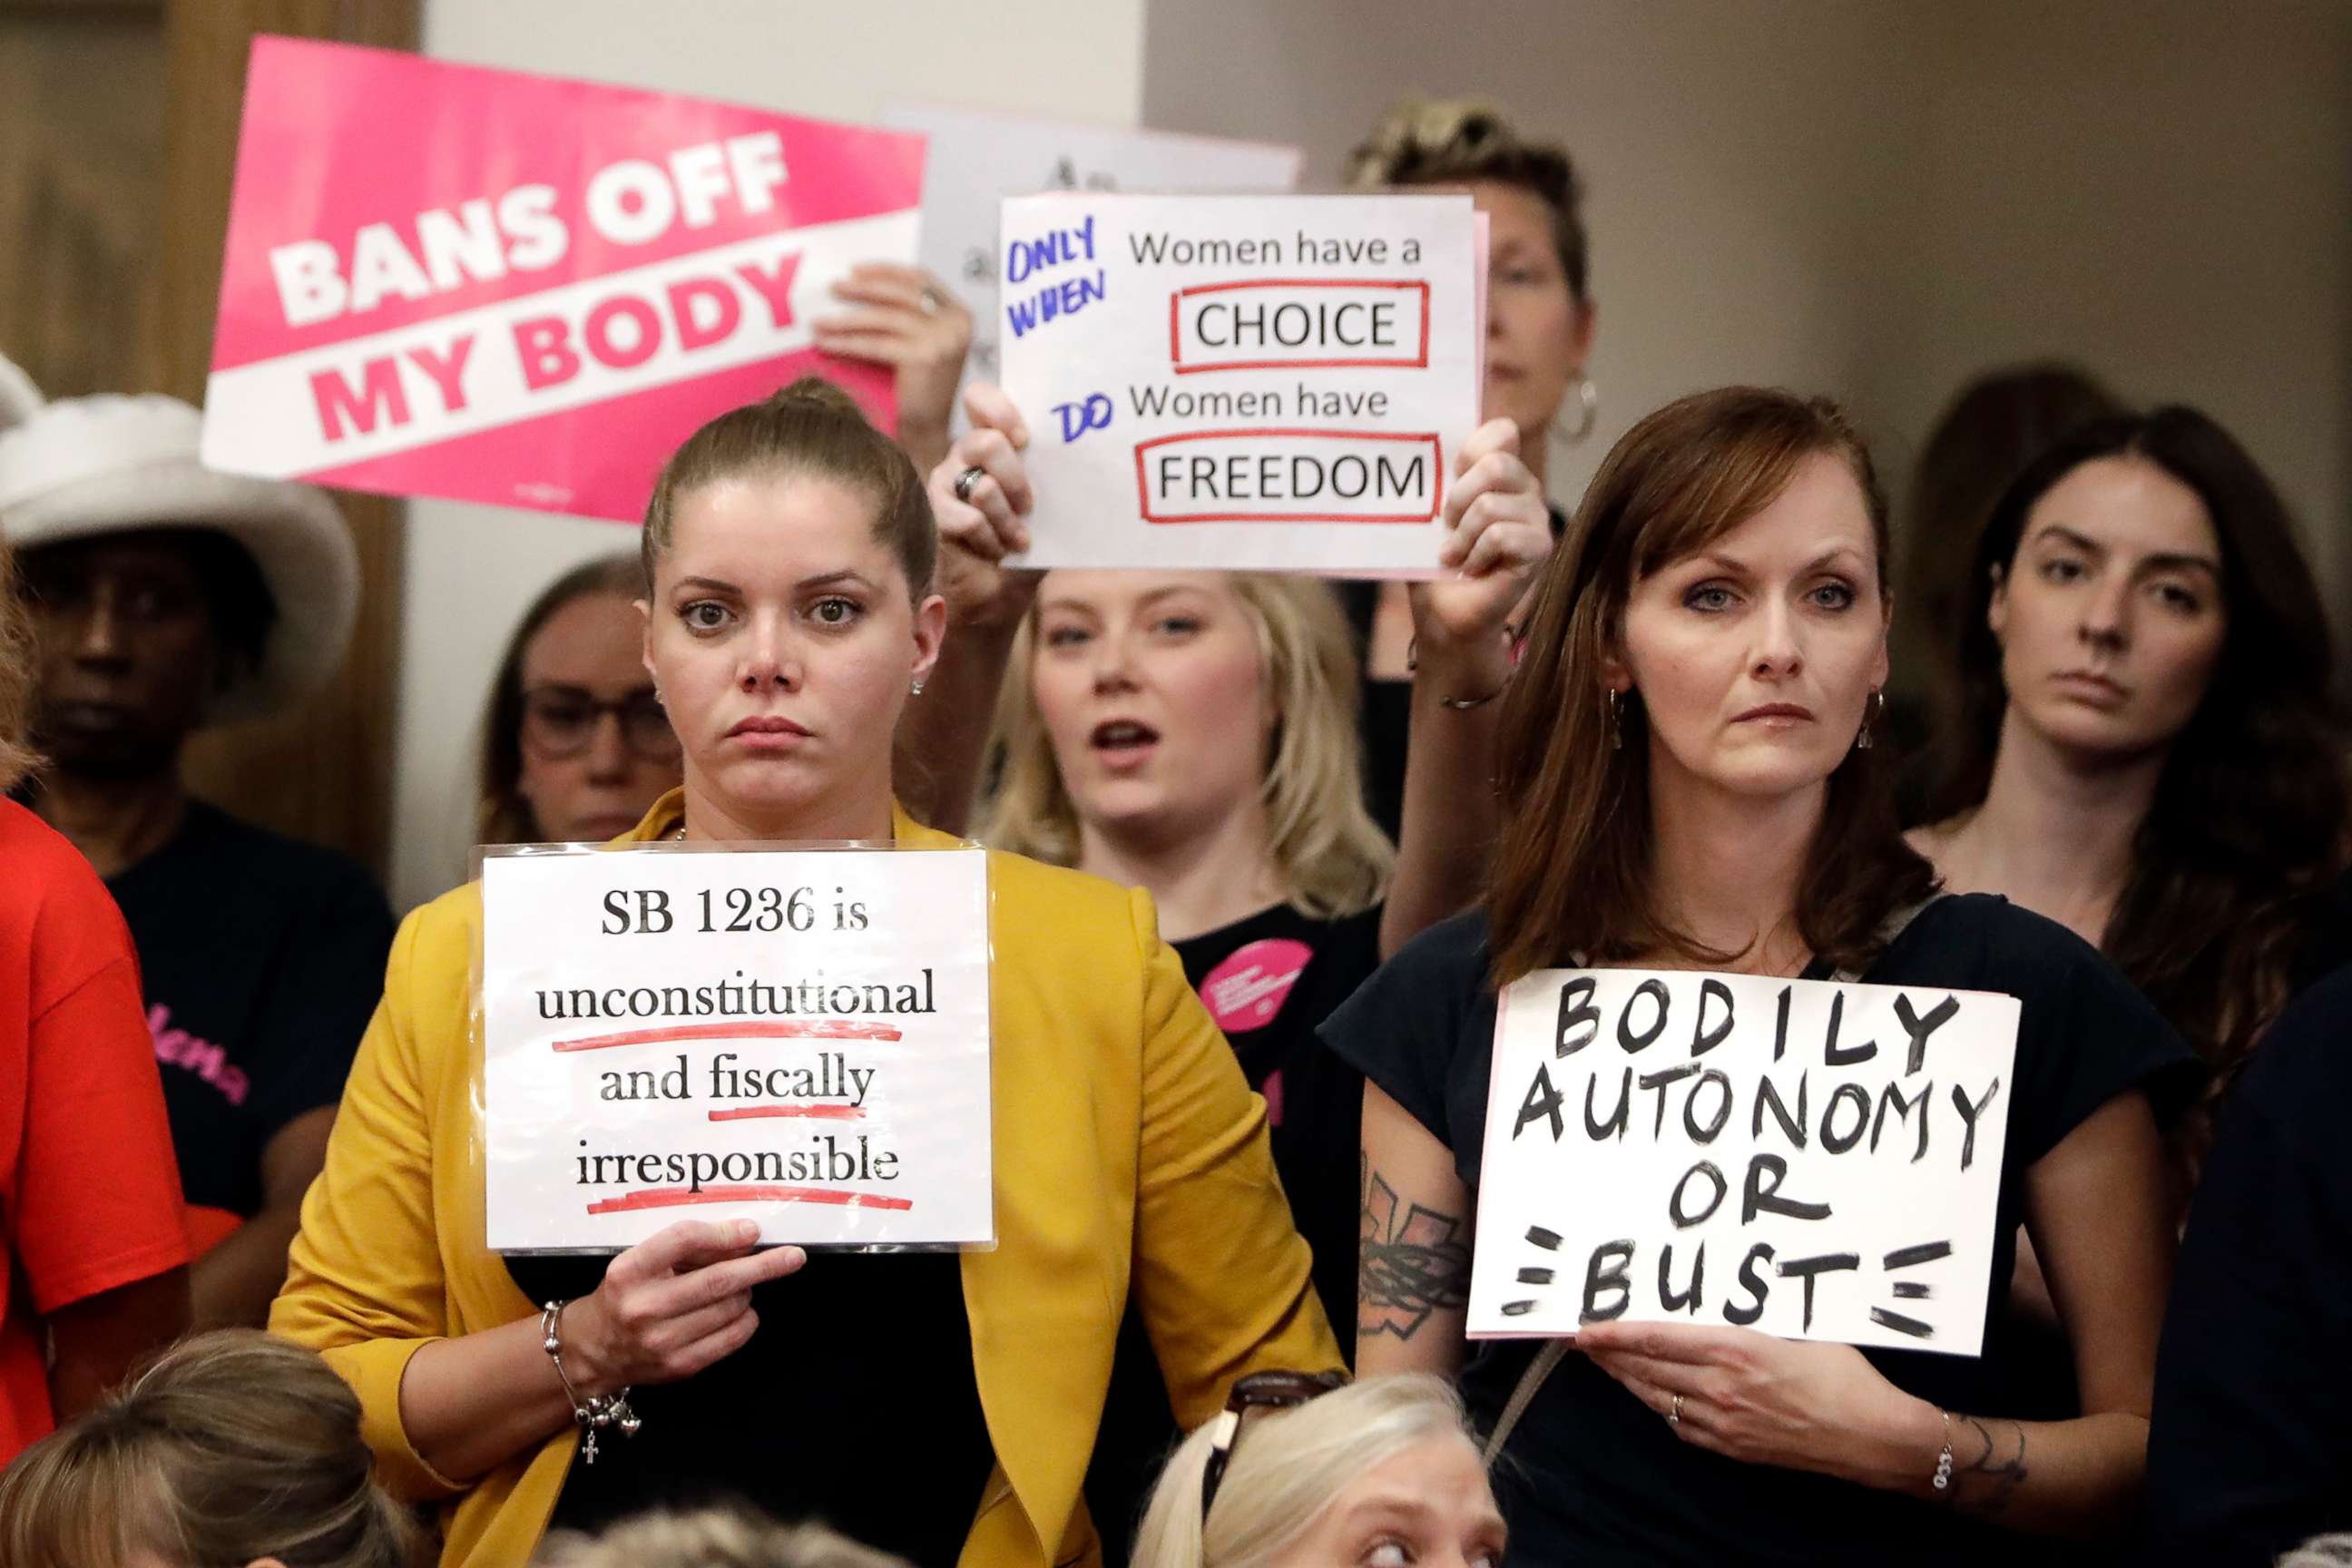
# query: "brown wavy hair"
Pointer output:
{"type": "Point", "coordinates": [17, 755]}
{"type": "Point", "coordinates": [233, 1445]}
{"type": "Point", "coordinates": [2236, 862]}
{"type": "Point", "coordinates": [1572, 863]}
{"type": "Point", "coordinates": [503, 816]}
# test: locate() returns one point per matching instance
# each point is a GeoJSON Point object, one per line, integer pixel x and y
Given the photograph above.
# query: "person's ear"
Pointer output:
{"type": "Point", "coordinates": [645, 638]}
{"type": "Point", "coordinates": [1997, 607]}
{"type": "Point", "coordinates": [930, 635]}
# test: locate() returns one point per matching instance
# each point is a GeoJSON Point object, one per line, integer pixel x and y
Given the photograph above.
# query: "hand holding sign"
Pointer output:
{"type": "Point", "coordinates": [907, 319]}
{"type": "Point", "coordinates": [983, 521]}
{"type": "Point", "coordinates": [1766, 1401]}
{"type": "Point", "coordinates": [672, 1305]}
{"type": "Point", "coordinates": [1498, 534]}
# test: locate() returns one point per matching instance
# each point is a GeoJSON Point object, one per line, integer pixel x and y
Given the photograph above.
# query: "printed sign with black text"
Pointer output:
{"type": "Point", "coordinates": [795, 1037]}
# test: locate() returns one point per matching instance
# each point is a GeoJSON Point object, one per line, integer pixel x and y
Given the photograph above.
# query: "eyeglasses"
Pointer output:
{"type": "Point", "coordinates": [561, 721]}
{"type": "Point", "coordinates": [1258, 1391]}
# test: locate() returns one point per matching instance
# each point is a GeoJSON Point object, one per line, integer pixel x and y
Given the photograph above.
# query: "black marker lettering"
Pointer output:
{"type": "Point", "coordinates": [1759, 1198]}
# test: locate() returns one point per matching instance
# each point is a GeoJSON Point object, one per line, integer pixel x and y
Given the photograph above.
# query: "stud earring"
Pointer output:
{"type": "Point", "coordinates": [916, 690]}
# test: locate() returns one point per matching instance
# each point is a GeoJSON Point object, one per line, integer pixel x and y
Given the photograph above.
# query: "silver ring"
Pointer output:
{"type": "Point", "coordinates": [933, 300]}
{"type": "Point", "coordinates": [968, 482]}
{"type": "Point", "coordinates": [1674, 1414]}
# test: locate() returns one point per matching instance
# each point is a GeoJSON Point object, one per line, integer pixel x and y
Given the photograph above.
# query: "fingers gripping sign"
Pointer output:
{"type": "Point", "coordinates": [980, 495]}
{"type": "Point", "coordinates": [1498, 534]}
{"type": "Point", "coordinates": [674, 1304]}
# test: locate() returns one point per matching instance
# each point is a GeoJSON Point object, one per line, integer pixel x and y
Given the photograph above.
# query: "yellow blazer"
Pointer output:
{"type": "Point", "coordinates": [1129, 1151]}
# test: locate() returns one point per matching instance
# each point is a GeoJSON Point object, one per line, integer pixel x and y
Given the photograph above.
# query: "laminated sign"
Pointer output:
{"type": "Point", "coordinates": [448, 281]}
{"type": "Point", "coordinates": [1245, 383]}
{"type": "Point", "coordinates": [799, 1037]}
{"type": "Point", "coordinates": [1813, 1159]}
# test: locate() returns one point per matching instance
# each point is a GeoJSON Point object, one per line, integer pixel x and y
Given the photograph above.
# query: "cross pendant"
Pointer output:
{"type": "Point", "coordinates": [588, 1452]}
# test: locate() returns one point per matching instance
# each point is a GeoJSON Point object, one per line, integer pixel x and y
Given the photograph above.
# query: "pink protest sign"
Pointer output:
{"type": "Point", "coordinates": [445, 280]}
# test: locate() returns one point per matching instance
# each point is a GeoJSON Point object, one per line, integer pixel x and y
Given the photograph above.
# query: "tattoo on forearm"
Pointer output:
{"type": "Point", "coordinates": [2000, 1460]}
{"type": "Point", "coordinates": [1408, 1263]}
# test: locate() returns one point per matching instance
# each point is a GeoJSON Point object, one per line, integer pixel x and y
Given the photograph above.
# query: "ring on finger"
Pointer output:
{"type": "Point", "coordinates": [968, 482]}
{"type": "Point", "coordinates": [1675, 1412]}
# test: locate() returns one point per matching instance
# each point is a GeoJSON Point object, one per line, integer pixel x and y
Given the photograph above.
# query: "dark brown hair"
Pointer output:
{"type": "Point", "coordinates": [17, 757]}
{"type": "Point", "coordinates": [812, 428]}
{"type": "Point", "coordinates": [503, 816]}
{"type": "Point", "coordinates": [2234, 864]}
{"type": "Point", "coordinates": [1998, 424]}
{"type": "Point", "coordinates": [1573, 864]}
{"type": "Point", "coordinates": [1454, 142]}
{"type": "Point", "coordinates": [233, 1445]}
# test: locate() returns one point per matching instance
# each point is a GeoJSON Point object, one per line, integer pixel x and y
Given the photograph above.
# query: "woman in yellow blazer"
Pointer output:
{"type": "Point", "coordinates": [943, 1404]}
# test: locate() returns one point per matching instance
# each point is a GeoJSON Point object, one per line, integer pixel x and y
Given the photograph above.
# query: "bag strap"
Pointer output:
{"type": "Point", "coordinates": [1555, 1351]}
{"type": "Point", "coordinates": [1524, 1394]}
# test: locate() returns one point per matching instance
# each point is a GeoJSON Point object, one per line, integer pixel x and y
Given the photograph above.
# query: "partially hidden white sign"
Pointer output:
{"type": "Point", "coordinates": [1813, 1159]}
{"type": "Point", "coordinates": [1246, 382]}
{"type": "Point", "coordinates": [798, 1037]}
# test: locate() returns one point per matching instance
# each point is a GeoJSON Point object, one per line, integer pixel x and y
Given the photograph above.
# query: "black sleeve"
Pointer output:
{"type": "Point", "coordinates": [2084, 1034]}
{"type": "Point", "coordinates": [1403, 1028]}
{"type": "Point", "coordinates": [2250, 1451]}
{"type": "Point", "coordinates": [328, 984]}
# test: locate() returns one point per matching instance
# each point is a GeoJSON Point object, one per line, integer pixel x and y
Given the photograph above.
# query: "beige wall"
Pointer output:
{"type": "Point", "coordinates": [472, 570]}
{"type": "Point", "coordinates": [1878, 199]}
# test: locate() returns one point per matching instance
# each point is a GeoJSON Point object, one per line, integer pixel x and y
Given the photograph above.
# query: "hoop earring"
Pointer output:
{"type": "Point", "coordinates": [1587, 412]}
{"type": "Point", "coordinates": [1862, 741]}
{"type": "Point", "coordinates": [1616, 720]}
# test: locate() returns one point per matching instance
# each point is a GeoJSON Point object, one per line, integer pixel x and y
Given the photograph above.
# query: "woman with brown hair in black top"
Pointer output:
{"type": "Point", "coordinates": [1697, 694]}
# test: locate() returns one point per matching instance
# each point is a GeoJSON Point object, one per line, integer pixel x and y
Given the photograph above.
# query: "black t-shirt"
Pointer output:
{"type": "Point", "coordinates": [1591, 1476]}
{"type": "Point", "coordinates": [263, 958]}
{"type": "Point", "coordinates": [854, 1401]}
{"type": "Point", "coordinates": [1267, 981]}
{"type": "Point", "coordinates": [2251, 1449]}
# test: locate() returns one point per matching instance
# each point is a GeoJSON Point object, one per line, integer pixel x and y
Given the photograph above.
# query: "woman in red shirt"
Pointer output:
{"type": "Point", "coordinates": [94, 1272]}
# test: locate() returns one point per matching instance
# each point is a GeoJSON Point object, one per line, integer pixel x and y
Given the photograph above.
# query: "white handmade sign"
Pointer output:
{"type": "Point", "coordinates": [977, 159]}
{"type": "Point", "coordinates": [1814, 1160]}
{"type": "Point", "coordinates": [1245, 383]}
{"type": "Point", "coordinates": [798, 1037]}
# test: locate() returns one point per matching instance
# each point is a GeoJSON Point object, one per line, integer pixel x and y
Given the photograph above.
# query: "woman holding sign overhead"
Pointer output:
{"type": "Point", "coordinates": [1690, 783]}
{"type": "Point", "coordinates": [937, 1405]}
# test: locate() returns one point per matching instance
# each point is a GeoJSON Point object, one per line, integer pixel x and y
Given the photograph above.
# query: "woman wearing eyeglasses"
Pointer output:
{"type": "Point", "coordinates": [576, 747]}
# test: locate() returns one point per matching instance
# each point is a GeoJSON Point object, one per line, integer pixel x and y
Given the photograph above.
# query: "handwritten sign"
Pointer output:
{"type": "Point", "coordinates": [797, 1038]}
{"type": "Point", "coordinates": [977, 159]}
{"type": "Point", "coordinates": [448, 281]}
{"type": "Point", "coordinates": [1813, 1159]}
{"type": "Point", "coordinates": [1247, 383]}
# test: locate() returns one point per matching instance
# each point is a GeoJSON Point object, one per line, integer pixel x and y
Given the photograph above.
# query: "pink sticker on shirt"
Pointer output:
{"type": "Point", "coordinates": [1248, 988]}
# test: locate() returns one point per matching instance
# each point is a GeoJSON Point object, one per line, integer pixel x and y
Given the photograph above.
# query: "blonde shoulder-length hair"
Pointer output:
{"type": "Point", "coordinates": [1333, 858]}
{"type": "Point", "coordinates": [1286, 1469]}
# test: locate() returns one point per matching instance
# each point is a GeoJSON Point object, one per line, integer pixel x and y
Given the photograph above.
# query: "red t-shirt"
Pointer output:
{"type": "Point", "coordinates": [89, 1195]}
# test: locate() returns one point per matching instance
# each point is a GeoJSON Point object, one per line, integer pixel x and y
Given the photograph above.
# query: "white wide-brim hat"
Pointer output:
{"type": "Point", "coordinates": [82, 466]}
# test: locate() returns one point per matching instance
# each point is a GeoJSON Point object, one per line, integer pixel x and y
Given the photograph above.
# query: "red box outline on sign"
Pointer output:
{"type": "Point", "coordinates": [1436, 499]}
{"type": "Point", "coordinates": [1176, 326]}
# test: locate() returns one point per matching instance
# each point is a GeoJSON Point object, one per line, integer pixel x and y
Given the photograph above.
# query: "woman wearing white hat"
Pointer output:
{"type": "Point", "coordinates": [165, 597]}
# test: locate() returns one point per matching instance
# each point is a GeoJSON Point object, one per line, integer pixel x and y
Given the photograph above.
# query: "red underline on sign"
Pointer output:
{"type": "Point", "coordinates": [816, 1029]}
{"type": "Point", "coordinates": [672, 1197]}
{"type": "Point", "coordinates": [823, 1111]}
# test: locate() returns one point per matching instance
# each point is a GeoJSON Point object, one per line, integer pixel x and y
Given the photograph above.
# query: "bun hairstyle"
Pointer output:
{"type": "Point", "coordinates": [810, 429]}
{"type": "Point", "coordinates": [1452, 142]}
{"type": "Point", "coordinates": [233, 1445]}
